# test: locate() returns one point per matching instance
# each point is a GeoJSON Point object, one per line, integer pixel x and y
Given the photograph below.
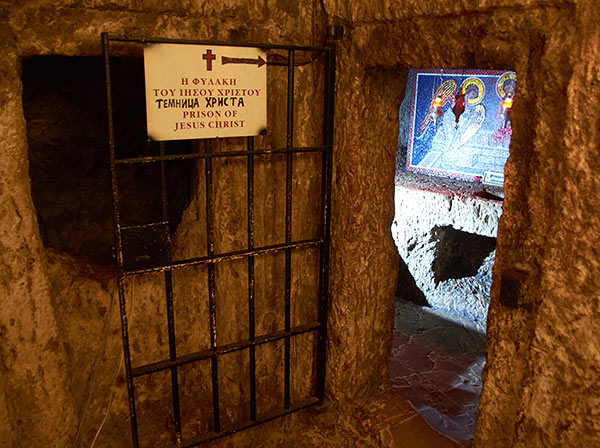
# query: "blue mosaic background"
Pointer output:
{"type": "Point", "coordinates": [466, 149]}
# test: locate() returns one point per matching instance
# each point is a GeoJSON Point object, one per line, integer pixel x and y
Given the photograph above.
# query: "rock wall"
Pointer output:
{"type": "Point", "coordinates": [34, 377]}
{"type": "Point", "coordinates": [60, 335]}
{"type": "Point", "coordinates": [537, 390]}
{"type": "Point", "coordinates": [540, 385]}
{"type": "Point", "coordinates": [453, 276]}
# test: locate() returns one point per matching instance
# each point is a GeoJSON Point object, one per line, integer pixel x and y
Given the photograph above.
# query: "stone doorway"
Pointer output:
{"type": "Point", "coordinates": [445, 232]}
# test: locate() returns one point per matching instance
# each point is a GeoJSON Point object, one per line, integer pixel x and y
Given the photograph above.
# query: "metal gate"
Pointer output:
{"type": "Point", "coordinates": [146, 249]}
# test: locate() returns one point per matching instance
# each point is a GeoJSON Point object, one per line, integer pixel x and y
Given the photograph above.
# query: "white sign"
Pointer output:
{"type": "Point", "coordinates": [493, 179]}
{"type": "Point", "coordinates": [204, 91]}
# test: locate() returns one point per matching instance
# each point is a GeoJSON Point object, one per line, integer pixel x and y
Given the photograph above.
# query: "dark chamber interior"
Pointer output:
{"type": "Point", "coordinates": [64, 103]}
{"type": "Point", "coordinates": [458, 254]}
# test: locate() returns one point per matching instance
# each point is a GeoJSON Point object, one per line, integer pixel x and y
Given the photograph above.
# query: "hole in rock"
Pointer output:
{"type": "Point", "coordinates": [458, 254]}
{"type": "Point", "coordinates": [64, 103]}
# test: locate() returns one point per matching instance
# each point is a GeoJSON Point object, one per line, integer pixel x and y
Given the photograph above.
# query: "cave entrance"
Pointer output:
{"type": "Point", "coordinates": [445, 228]}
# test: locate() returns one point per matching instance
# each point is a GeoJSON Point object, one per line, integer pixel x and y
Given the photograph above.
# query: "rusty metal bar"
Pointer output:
{"type": "Point", "coordinates": [327, 163]}
{"type": "Point", "coordinates": [251, 314]}
{"type": "Point", "coordinates": [154, 159]}
{"type": "Point", "coordinates": [155, 40]}
{"type": "Point", "coordinates": [224, 349]}
{"type": "Point", "coordinates": [288, 224]}
{"type": "Point", "coordinates": [169, 298]}
{"type": "Point", "coordinates": [210, 247]}
{"type": "Point", "coordinates": [204, 438]}
{"type": "Point", "coordinates": [145, 226]}
{"type": "Point", "coordinates": [119, 245]}
{"type": "Point", "coordinates": [224, 257]}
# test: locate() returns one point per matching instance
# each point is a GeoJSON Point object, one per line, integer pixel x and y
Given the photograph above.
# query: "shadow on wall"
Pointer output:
{"type": "Point", "coordinates": [458, 254]}
{"type": "Point", "coordinates": [406, 286]}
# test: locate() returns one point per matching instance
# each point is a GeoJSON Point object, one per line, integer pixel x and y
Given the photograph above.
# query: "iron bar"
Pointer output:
{"type": "Point", "coordinates": [169, 298]}
{"type": "Point", "coordinates": [210, 248]}
{"type": "Point", "coordinates": [163, 184]}
{"type": "Point", "coordinates": [288, 224]}
{"type": "Point", "coordinates": [173, 356]}
{"type": "Point", "coordinates": [145, 226]}
{"type": "Point", "coordinates": [155, 40]}
{"type": "Point", "coordinates": [173, 361]}
{"type": "Point", "coordinates": [325, 218]}
{"type": "Point", "coordinates": [154, 159]}
{"type": "Point", "coordinates": [224, 349]}
{"type": "Point", "coordinates": [249, 423]}
{"type": "Point", "coordinates": [251, 316]}
{"type": "Point", "coordinates": [119, 245]}
{"type": "Point", "coordinates": [225, 256]}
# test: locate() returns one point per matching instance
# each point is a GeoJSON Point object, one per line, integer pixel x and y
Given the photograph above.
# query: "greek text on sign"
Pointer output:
{"type": "Point", "coordinates": [204, 91]}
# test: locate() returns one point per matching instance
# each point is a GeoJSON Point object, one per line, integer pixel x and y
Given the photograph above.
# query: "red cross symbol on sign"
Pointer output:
{"type": "Point", "coordinates": [209, 57]}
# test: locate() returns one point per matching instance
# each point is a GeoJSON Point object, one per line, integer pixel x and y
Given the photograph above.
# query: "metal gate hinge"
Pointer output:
{"type": "Point", "coordinates": [335, 31]}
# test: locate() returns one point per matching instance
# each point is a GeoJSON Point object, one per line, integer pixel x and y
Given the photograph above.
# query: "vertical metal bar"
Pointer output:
{"type": "Point", "coordinates": [325, 216]}
{"type": "Point", "coordinates": [119, 245]}
{"type": "Point", "coordinates": [251, 316]}
{"type": "Point", "coordinates": [163, 185]}
{"type": "Point", "coordinates": [211, 287]}
{"type": "Point", "coordinates": [288, 225]}
{"type": "Point", "coordinates": [169, 298]}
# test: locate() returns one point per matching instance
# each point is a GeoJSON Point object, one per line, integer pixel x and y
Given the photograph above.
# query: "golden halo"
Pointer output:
{"type": "Point", "coordinates": [477, 83]}
{"type": "Point", "coordinates": [500, 83]}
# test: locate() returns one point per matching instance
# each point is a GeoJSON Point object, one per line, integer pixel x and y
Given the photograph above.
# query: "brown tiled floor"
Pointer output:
{"type": "Point", "coordinates": [436, 364]}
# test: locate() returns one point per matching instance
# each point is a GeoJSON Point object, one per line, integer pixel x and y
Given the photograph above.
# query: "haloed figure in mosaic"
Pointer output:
{"type": "Point", "coordinates": [505, 89]}
{"type": "Point", "coordinates": [462, 121]}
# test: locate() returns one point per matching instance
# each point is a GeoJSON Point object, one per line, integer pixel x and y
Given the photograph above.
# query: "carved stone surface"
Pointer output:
{"type": "Point", "coordinates": [447, 240]}
{"type": "Point", "coordinates": [540, 385]}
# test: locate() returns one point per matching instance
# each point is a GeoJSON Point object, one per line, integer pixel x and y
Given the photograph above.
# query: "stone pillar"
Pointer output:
{"type": "Point", "coordinates": [34, 380]}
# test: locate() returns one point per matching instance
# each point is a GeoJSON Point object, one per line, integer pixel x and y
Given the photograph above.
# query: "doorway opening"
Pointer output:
{"type": "Point", "coordinates": [447, 249]}
{"type": "Point", "coordinates": [445, 229]}
{"type": "Point", "coordinates": [65, 109]}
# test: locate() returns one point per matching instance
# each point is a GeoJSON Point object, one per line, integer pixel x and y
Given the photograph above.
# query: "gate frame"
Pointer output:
{"type": "Point", "coordinates": [167, 265]}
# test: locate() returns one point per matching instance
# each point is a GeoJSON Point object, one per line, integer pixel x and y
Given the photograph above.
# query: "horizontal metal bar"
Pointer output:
{"type": "Point", "coordinates": [145, 226]}
{"type": "Point", "coordinates": [198, 440]}
{"type": "Point", "coordinates": [224, 257]}
{"type": "Point", "coordinates": [222, 350]}
{"type": "Point", "coordinates": [152, 159]}
{"type": "Point", "coordinates": [162, 40]}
